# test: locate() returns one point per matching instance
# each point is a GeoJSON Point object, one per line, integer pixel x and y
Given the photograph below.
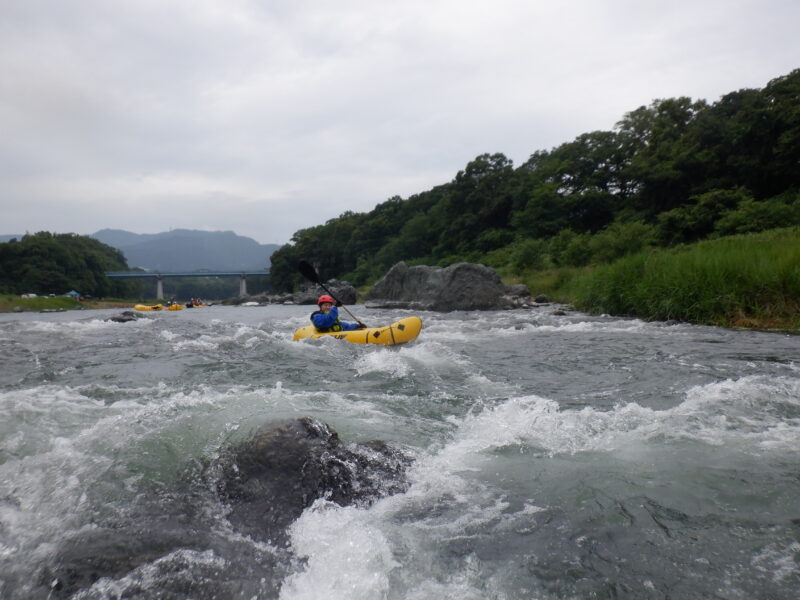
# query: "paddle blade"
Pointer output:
{"type": "Point", "coordinates": [308, 271]}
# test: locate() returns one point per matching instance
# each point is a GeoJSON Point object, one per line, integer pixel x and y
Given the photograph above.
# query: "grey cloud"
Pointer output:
{"type": "Point", "coordinates": [125, 114]}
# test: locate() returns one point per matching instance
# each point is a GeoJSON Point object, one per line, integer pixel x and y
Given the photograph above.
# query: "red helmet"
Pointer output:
{"type": "Point", "coordinates": [325, 298]}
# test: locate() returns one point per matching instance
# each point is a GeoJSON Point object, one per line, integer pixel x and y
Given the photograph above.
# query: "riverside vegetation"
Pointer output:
{"type": "Point", "coordinates": [645, 200]}
{"type": "Point", "coordinates": [674, 214]}
{"type": "Point", "coordinates": [55, 263]}
{"type": "Point", "coordinates": [48, 263]}
{"type": "Point", "coordinates": [13, 303]}
{"type": "Point", "coordinates": [750, 280]}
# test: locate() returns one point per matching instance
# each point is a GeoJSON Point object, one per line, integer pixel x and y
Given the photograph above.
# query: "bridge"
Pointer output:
{"type": "Point", "coordinates": [159, 277]}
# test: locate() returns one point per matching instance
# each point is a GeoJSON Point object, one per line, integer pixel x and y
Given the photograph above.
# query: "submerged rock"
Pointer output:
{"type": "Point", "coordinates": [462, 286]}
{"type": "Point", "coordinates": [178, 539]}
{"type": "Point", "coordinates": [124, 317]}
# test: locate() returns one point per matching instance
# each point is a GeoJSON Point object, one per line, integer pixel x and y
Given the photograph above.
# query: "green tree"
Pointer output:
{"type": "Point", "coordinates": [544, 214]}
{"type": "Point", "coordinates": [681, 168]}
{"type": "Point", "coordinates": [662, 157]}
{"type": "Point", "coordinates": [47, 263]}
{"type": "Point", "coordinates": [751, 216]}
{"type": "Point", "coordinates": [620, 239]}
{"type": "Point", "coordinates": [696, 220]}
{"type": "Point", "coordinates": [478, 198]}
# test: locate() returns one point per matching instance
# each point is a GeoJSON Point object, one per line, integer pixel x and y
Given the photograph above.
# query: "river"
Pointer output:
{"type": "Point", "coordinates": [555, 454]}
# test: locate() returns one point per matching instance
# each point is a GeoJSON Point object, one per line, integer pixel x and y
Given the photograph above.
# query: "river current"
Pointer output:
{"type": "Point", "coordinates": [555, 454]}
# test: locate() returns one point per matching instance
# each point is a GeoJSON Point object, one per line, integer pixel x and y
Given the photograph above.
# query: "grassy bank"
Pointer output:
{"type": "Point", "coordinates": [8, 303]}
{"type": "Point", "coordinates": [739, 281]}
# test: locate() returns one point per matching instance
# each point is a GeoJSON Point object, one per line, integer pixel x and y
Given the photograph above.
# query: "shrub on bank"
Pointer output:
{"type": "Point", "coordinates": [737, 280]}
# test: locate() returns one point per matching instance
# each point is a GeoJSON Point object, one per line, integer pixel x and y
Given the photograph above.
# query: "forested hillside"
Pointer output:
{"type": "Point", "coordinates": [673, 172]}
{"type": "Point", "coordinates": [47, 263]}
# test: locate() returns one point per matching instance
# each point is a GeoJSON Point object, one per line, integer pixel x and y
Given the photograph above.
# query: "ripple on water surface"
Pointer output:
{"type": "Point", "coordinates": [544, 444]}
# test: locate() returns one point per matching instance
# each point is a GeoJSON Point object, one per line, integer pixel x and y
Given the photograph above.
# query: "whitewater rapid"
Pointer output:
{"type": "Point", "coordinates": [554, 455]}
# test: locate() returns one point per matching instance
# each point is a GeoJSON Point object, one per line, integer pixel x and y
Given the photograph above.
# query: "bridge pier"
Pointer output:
{"type": "Point", "coordinates": [207, 273]}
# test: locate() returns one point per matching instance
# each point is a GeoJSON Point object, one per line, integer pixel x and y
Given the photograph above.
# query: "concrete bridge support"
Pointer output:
{"type": "Point", "coordinates": [242, 286]}
{"type": "Point", "coordinates": [159, 287]}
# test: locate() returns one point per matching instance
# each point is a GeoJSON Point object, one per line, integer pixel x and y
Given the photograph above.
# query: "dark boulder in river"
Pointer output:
{"type": "Point", "coordinates": [124, 317]}
{"type": "Point", "coordinates": [186, 539]}
{"type": "Point", "coordinates": [461, 286]}
{"type": "Point", "coordinates": [271, 478]}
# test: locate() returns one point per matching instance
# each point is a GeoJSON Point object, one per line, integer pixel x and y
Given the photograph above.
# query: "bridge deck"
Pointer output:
{"type": "Point", "coordinates": [142, 274]}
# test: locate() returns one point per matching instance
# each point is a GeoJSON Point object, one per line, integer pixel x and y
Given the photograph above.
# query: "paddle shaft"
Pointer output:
{"type": "Point", "coordinates": [310, 273]}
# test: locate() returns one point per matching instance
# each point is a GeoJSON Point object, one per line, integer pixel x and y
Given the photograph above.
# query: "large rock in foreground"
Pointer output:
{"type": "Point", "coordinates": [194, 538]}
{"type": "Point", "coordinates": [462, 286]}
{"type": "Point", "coordinates": [270, 479]}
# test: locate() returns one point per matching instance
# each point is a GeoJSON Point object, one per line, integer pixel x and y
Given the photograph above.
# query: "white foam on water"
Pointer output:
{"type": "Point", "coordinates": [202, 343]}
{"type": "Point", "coordinates": [751, 412]}
{"type": "Point", "coordinates": [779, 560]}
{"type": "Point", "coordinates": [347, 555]}
{"type": "Point", "coordinates": [390, 550]}
{"type": "Point", "coordinates": [90, 326]}
{"type": "Point", "coordinates": [244, 336]}
{"type": "Point", "coordinates": [394, 542]}
{"type": "Point", "coordinates": [168, 335]}
{"type": "Point", "coordinates": [44, 496]}
{"type": "Point", "coordinates": [746, 413]}
{"type": "Point", "coordinates": [70, 447]}
{"type": "Point", "coordinates": [37, 414]}
{"type": "Point", "coordinates": [613, 326]}
{"type": "Point", "coordinates": [480, 325]}
{"type": "Point", "coordinates": [382, 361]}
{"type": "Point", "coordinates": [411, 359]}
{"type": "Point", "coordinates": [511, 325]}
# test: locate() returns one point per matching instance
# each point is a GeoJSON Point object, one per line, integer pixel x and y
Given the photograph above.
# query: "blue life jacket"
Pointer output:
{"type": "Point", "coordinates": [328, 322]}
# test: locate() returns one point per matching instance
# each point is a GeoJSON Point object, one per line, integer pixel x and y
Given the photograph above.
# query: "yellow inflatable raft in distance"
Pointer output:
{"type": "Point", "coordinates": [175, 307]}
{"type": "Point", "coordinates": [399, 332]}
{"type": "Point", "coordinates": [147, 307]}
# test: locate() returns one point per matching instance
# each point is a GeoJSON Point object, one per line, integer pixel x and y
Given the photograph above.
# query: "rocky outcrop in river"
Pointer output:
{"type": "Point", "coordinates": [270, 479]}
{"type": "Point", "coordinates": [462, 286]}
{"type": "Point", "coordinates": [342, 290]}
{"type": "Point", "coordinates": [254, 490]}
{"type": "Point", "coordinates": [124, 317]}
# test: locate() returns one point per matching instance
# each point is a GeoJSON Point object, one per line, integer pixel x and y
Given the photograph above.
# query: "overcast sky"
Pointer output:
{"type": "Point", "coordinates": [265, 117]}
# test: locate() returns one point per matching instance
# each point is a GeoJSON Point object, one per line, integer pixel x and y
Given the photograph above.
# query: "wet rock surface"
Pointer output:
{"type": "Point", "coordinates": [190, 540]}
{"type": "Point", "coordinates": [124, 317]}
{"type": "Point", "coordinates": [462, 286]}
{"type": "Point", "coordinates": [342, 290]}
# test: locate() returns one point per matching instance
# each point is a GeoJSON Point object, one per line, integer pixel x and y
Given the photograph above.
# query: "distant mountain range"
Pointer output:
{"type": "Point", "coordinates": [188, 250]}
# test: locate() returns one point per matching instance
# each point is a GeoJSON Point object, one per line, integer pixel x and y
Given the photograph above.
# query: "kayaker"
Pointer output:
{"type": "Point", "coordinates": [327, 317]}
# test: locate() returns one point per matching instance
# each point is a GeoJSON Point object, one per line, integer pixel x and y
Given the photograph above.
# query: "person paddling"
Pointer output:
{"type": "Point", "coordinates": [327, 317]}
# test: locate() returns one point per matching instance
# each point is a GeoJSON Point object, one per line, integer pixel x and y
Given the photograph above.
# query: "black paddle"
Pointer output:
{"type": "Point", "coordinates": [309, 272]}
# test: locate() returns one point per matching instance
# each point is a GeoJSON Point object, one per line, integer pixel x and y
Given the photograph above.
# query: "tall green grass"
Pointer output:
{"type": "Point", "coordinates": [744, 280]}
{"type": "Point", "coordinates": [8, 302]}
